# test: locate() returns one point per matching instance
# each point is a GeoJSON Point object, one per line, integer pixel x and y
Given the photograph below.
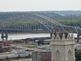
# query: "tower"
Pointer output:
{"type": "Point", "coordinates": [62, 47]}
{"type": "Point", "coordinates": [4, 36]}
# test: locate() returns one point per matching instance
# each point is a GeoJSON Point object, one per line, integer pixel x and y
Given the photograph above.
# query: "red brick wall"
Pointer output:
{"type": "Point", "coordinates": [45, 56]}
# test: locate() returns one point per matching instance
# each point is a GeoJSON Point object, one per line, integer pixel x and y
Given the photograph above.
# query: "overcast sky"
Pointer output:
{"type": "Point", "coordinates": [39, 5]}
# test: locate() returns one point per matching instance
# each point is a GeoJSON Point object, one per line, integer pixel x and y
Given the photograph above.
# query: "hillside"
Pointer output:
{"type": "Point", "coordinates": [29, 20]}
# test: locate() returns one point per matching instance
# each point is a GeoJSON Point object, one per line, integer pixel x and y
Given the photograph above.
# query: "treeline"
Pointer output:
{"type": "Point", "coordinates": [29, 21]}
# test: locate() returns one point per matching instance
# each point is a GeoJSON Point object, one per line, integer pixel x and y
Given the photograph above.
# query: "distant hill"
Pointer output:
{"type": "Point", "coordinates": [15, 20]}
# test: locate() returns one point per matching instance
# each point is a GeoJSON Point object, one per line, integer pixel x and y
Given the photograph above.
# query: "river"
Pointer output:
{"type": "Point", "coordinates": [17, 36]}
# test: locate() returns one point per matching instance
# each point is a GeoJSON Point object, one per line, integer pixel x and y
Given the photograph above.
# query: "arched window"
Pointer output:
{"type": "Point", "coordinates": [69, 55]}
{"type": "Point", "coordinates": [57, 55]}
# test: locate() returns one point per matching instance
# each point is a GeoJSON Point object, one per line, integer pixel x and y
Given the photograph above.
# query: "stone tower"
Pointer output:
{"type": "Point", "coordinates": [62, 47]}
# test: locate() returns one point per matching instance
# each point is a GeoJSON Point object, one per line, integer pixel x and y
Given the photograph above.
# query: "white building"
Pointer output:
{"type": "Point", "coordinates": [62, 47]}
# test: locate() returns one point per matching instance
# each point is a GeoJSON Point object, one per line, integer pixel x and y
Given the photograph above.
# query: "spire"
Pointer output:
{"type": "Point", "coordinates": [71, 36]}
{"type": "Point", "coordinates": [63, 37]}
{"type": "Point", "coordinates": [53, 36]}
{"type": "Point", "coordinates": [57, 36]}
{"type": "Point", "coordinates": [68, 37]}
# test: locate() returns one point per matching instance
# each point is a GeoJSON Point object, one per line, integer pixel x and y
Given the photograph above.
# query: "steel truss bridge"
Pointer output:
{"type": "Point", "coordinates": [47, 24]}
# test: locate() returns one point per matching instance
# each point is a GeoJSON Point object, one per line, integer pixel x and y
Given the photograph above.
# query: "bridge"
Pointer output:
{"type": "Point", "coordinates": [46, 24]}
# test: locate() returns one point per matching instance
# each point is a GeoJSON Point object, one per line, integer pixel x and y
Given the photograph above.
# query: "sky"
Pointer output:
{"type": "Point", "coordinates": [39, 5]}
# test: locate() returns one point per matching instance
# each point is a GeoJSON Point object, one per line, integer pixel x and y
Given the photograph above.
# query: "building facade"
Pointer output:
{"type": "Point", "coordinates": [5, 46]}
{"type": "Point", "coordinates": [62, 47]}
{"type": "Point", "coordinates": [41, 56]}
